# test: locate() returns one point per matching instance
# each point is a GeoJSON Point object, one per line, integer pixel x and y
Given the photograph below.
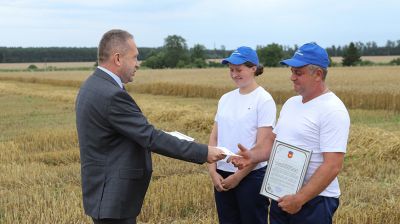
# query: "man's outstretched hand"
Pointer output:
{"type": "Point", "coordinates": [245, 160]}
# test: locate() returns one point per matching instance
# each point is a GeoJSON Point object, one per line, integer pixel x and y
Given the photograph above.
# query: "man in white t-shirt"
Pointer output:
{"type": "Point", "coordinates": [316, 119]}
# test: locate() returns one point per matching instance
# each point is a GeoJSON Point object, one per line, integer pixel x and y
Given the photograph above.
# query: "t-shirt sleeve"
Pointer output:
{"type": "Point", "coordinates": [266, 114]}
{"type": "Point", "coordinates": [334, 131]}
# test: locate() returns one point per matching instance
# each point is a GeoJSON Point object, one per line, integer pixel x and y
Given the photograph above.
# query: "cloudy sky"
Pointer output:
{"type": "Point", "coordinates": [232, 23]}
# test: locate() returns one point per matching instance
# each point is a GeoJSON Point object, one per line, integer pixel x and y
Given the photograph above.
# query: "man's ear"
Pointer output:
{"type": "Point", "coordinates": [117, 59]}
{"type": "Point", "coordinates": [319, 74]}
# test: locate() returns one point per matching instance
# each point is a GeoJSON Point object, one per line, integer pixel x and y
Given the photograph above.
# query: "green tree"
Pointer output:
{"type": "Point", "coordinates": [270, 55]}
{"type": "Point", "coordinates": [199, 63]}
{"type": "Point", "coordinates": [175, 49]}
{"type": "Point", "coordinates": [197, 56]}
{"type": "Point", "coordinates": [32, 67]}
{"type": "Point", "coordinates": [351, 56]}
{"type": "Point", "coordinates": [155, 61]}
{"type": "Point", "coordinates": [198, 51]}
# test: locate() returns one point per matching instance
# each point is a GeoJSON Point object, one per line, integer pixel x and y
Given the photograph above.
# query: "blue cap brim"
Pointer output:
{"type": "Point", "coordinates": [293, 63]}
{"type": "Point", "coordinates": [233, 60]}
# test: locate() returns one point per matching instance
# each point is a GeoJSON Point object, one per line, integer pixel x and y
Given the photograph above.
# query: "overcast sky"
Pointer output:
{"type": "Point", "coordinates": [232, 23]}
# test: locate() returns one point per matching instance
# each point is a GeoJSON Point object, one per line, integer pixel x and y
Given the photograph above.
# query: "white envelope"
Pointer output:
{"type": "Point", "coordinates": [227, 152]}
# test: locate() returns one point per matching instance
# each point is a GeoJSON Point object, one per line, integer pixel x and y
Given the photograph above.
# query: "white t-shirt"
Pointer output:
{"type": "Point", "coordinates": [321, 125]}
{"type": "Point", "coordinates": [238, 118]}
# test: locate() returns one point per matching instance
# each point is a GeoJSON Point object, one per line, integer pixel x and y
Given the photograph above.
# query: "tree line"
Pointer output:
{"type": "Point", "coordinates": [76, 54]}
{"type": "Point", "coordinates": [176, 54]}
{"type": "Point", "coordinates": [367, 49]}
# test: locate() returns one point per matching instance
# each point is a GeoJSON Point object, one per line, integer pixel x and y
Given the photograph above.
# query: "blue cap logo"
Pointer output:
{"type": "Point", "coordinates": [242, 55]}
{"type": "Point", "coordinates": [310, 53]}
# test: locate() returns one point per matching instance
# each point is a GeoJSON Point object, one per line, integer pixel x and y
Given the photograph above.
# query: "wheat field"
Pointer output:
{"type": "Point", "coordinates": [43, 65]}
{"type": "Point", "coordinates": [375, 59]}
{"type": "Point", "coordinates": [39, 155]}
{"type": "Point", "coordinates": [358, 87]}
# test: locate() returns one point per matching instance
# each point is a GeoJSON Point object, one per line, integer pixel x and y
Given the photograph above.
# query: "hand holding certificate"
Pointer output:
{"type": "Point", "coordinates": [286, 169]}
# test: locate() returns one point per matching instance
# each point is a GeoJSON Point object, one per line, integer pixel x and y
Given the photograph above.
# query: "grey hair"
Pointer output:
{"type": "Point", "coordinates": [111, 42]}
{"type": "Point", "coordinates": [313, 68]}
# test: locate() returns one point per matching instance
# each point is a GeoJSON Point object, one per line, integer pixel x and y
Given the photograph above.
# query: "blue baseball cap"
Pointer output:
{"type": "Point", "coordinates": [241, 55]}
{"type": "Point", "coordinates": [310, 53]}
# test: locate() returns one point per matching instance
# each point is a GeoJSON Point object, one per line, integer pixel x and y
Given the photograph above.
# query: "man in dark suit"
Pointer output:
{"type": "Point", "coordinates": [116, 139]}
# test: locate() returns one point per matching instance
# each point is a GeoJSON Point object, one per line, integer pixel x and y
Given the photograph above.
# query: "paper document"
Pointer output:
{"type": "Point", "coordinates": [228, 152]}
{"type": "Point", "coordinates": [180, 135]}
{"type": "Point", "coordinates": [286, 170]}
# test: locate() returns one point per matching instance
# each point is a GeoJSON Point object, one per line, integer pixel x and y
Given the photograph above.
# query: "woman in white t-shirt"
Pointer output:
{"type": "Point", "coordinates": [245, 115]}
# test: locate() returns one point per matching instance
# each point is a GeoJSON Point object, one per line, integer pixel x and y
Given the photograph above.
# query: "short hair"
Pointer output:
{"type": "Point", "coordinates": [113, 41]}
{"type": "Point", "coordinates": [313, 68]}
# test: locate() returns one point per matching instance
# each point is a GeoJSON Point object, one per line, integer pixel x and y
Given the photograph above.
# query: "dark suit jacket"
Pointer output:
{"type": "Point", "coordinates": [116, 142]}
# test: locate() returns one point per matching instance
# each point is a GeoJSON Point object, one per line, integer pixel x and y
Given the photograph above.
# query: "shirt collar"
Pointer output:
{"type": "Point", "coordinates": [114, 76]}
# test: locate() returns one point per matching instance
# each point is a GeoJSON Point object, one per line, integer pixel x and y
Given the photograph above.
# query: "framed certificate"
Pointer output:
{"type": "Point", "coordinates": [286, 170]}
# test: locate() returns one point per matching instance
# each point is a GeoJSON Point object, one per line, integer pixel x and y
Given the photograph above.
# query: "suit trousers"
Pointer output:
{"type": "Point", "coordinates": [114, 221]}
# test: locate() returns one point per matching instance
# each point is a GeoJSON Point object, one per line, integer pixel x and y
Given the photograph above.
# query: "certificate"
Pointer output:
{"type": "Point", "coordinates": [286, 170]}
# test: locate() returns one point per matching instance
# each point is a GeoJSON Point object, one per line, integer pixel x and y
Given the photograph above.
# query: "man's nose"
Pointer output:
{"type": "Point", "coordinates": [292, 77]}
